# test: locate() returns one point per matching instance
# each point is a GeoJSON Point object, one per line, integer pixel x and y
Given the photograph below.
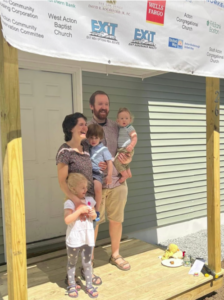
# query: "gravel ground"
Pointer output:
{"type": "Point", "coordinates": [195, 244]}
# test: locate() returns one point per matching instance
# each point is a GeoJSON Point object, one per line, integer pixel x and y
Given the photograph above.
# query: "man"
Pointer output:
{"type": "Point", "coordinates": [114, 196]}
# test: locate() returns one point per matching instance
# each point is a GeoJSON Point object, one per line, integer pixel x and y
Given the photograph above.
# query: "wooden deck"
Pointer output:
{"type": "Point", "coordinates": [147, 279]}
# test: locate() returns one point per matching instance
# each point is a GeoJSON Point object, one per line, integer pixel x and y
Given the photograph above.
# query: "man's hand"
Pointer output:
{"type": "Point", "coordinates": [129, 148]}
{"type": "Point", "coordinates": [124, 158]}
{"type": "Point", "coordinates": [102, 165]}
{"type": "Point", "coordinates": [108, 180]}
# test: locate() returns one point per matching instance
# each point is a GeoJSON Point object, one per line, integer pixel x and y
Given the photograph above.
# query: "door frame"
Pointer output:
{"type": "Point", "coordinates": [55, 66]}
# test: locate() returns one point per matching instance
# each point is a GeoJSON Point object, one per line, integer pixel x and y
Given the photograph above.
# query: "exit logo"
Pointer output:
{"type": "Point", "coordinates": [105, 30]}
{"type": "Point", "coordinates": [143, 38]}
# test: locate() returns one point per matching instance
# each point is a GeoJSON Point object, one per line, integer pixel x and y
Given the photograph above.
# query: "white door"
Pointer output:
{"type": "Point", "coordinates": [45, 99]}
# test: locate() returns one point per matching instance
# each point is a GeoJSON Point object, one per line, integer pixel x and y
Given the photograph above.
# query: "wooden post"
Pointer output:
{"type": "Point", "coordinates": [13, 186]}
{"type": "Point", "coordinates": [213, 173]}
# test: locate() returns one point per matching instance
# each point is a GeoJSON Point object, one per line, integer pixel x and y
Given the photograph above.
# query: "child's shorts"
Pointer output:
{"type": "Point", "coordinates": [97, 175]}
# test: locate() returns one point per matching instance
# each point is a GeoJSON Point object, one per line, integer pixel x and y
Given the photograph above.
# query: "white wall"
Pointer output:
{"type": "Point", "coordinates": [158, 235]}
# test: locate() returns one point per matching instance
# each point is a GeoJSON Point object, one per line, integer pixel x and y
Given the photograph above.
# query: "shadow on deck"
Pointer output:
{"type": "Point", "coordinates": [147, 279]}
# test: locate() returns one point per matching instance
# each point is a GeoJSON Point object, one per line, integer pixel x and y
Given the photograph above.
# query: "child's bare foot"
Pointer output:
{"type": "Point", "coordinates": [129, 173]}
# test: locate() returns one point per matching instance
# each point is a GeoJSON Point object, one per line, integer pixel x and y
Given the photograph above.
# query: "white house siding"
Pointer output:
{"type": "Point", "coordinates": [169, 165]}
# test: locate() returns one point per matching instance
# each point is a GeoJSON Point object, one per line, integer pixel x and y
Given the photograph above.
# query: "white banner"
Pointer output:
{"type": "Point", "coordinates": [176, 36]}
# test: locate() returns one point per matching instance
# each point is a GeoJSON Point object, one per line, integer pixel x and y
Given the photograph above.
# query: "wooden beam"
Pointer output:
{"type": "Point", "coordinates": [13, 186]}
{"type": "Point", "coordinates": [213, 173]}
{"type": "Point", "coordinates": [200, 291]}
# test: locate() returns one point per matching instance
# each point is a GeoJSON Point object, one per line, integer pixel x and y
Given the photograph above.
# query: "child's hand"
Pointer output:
{"type": "Point", "coordinates": [83, 217]}
{"type": "Point", "coordinates": [108, 180]}
{"type": "Point", "coordinates": [83, 209]}
{"type": "Point", "coordinates": [129, 148]}
{"type": "Point", "coordinates": [92, 214]}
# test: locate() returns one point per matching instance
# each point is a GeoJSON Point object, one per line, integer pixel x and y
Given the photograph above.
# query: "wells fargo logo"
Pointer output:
{"type": "Point", "coordinates": [155, 12]}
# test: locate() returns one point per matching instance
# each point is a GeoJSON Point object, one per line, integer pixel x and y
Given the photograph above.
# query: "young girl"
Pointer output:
{"type": "Point", "coordinates": [79, 234]}
{"type": "Point", "coordinates": [98, 153]}
{"type": "Point", "coordinates": [127, 139]}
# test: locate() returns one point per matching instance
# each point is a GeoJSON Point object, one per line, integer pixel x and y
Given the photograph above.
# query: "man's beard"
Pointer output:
{"type": "Point", "coordinates": [97, 114]}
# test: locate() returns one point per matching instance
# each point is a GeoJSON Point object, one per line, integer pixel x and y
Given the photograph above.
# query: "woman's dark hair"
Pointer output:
{"type": "Point", "coordinates": [69, 122]}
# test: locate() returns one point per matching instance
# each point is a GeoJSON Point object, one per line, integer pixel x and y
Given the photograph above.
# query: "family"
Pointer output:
{"type": "Point", "coordinates": [93, 165]}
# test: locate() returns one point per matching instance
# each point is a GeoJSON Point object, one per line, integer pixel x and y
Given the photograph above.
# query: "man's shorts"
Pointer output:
{"type": "Point", "coordinates": [113, 203]}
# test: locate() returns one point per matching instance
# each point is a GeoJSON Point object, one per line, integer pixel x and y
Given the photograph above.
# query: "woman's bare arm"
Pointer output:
{"type": "Point", "coordinates": [62, 176]}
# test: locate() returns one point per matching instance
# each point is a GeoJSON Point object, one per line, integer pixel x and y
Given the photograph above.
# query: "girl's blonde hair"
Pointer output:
{"type": "Point", "coordinates": [122, 109]}
{"type": "Point", "coordinates": [73, 180]}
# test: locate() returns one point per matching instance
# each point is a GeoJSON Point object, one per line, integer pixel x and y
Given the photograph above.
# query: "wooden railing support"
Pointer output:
{"type": "Point", "coordinates": [12, 172]}
{"type": "Point", "coordinates": [213, 173]}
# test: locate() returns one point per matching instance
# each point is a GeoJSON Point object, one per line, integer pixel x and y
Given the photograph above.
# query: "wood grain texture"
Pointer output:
{"type": "Point", "coordinates": [213, 173]}
{"type": "Point", "coordinates": [13, 185]}
{"type": "Point", "coordinates": [147, 279]}
{"type": "Point", "coordinates": [200, 291]}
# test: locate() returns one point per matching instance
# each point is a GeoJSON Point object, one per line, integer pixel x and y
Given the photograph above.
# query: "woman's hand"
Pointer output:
{"type": "Point", "coordinates": [124, 158]}
{"type": "Point", "coordinates": [102, 165]}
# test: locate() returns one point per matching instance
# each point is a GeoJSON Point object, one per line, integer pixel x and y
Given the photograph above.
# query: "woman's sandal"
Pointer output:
{"type": "Point", "coordinates": [91, 291]}
{"type": "Point", "coordinates": [120, 266]}
{"type": "Point", "coordinates": [77, 281]}
{"type": "Point", "coordinates": [72, 289]}
{"type": "Point", "coordinates": [94, 279]}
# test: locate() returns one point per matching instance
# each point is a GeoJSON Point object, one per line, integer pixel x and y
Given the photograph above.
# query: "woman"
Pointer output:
{"type": "Point", "coordinates": [73, 157]}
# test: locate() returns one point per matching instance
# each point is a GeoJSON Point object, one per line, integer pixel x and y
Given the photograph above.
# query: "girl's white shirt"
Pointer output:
{"type": "Point", "coordinates": [80, 233]}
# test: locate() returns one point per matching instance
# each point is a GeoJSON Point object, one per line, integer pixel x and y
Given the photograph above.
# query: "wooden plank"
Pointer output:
{"type": "Point", "coordinates": [213, 173]}
{"type": "Point", "coordinates": [151, 279]}
{"type": "Point", "coordinates": [57, 254]}
{"type": "Point", "coordinates": [13, 186]}
{"type": "Point", "coordinates": [200, 291]}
